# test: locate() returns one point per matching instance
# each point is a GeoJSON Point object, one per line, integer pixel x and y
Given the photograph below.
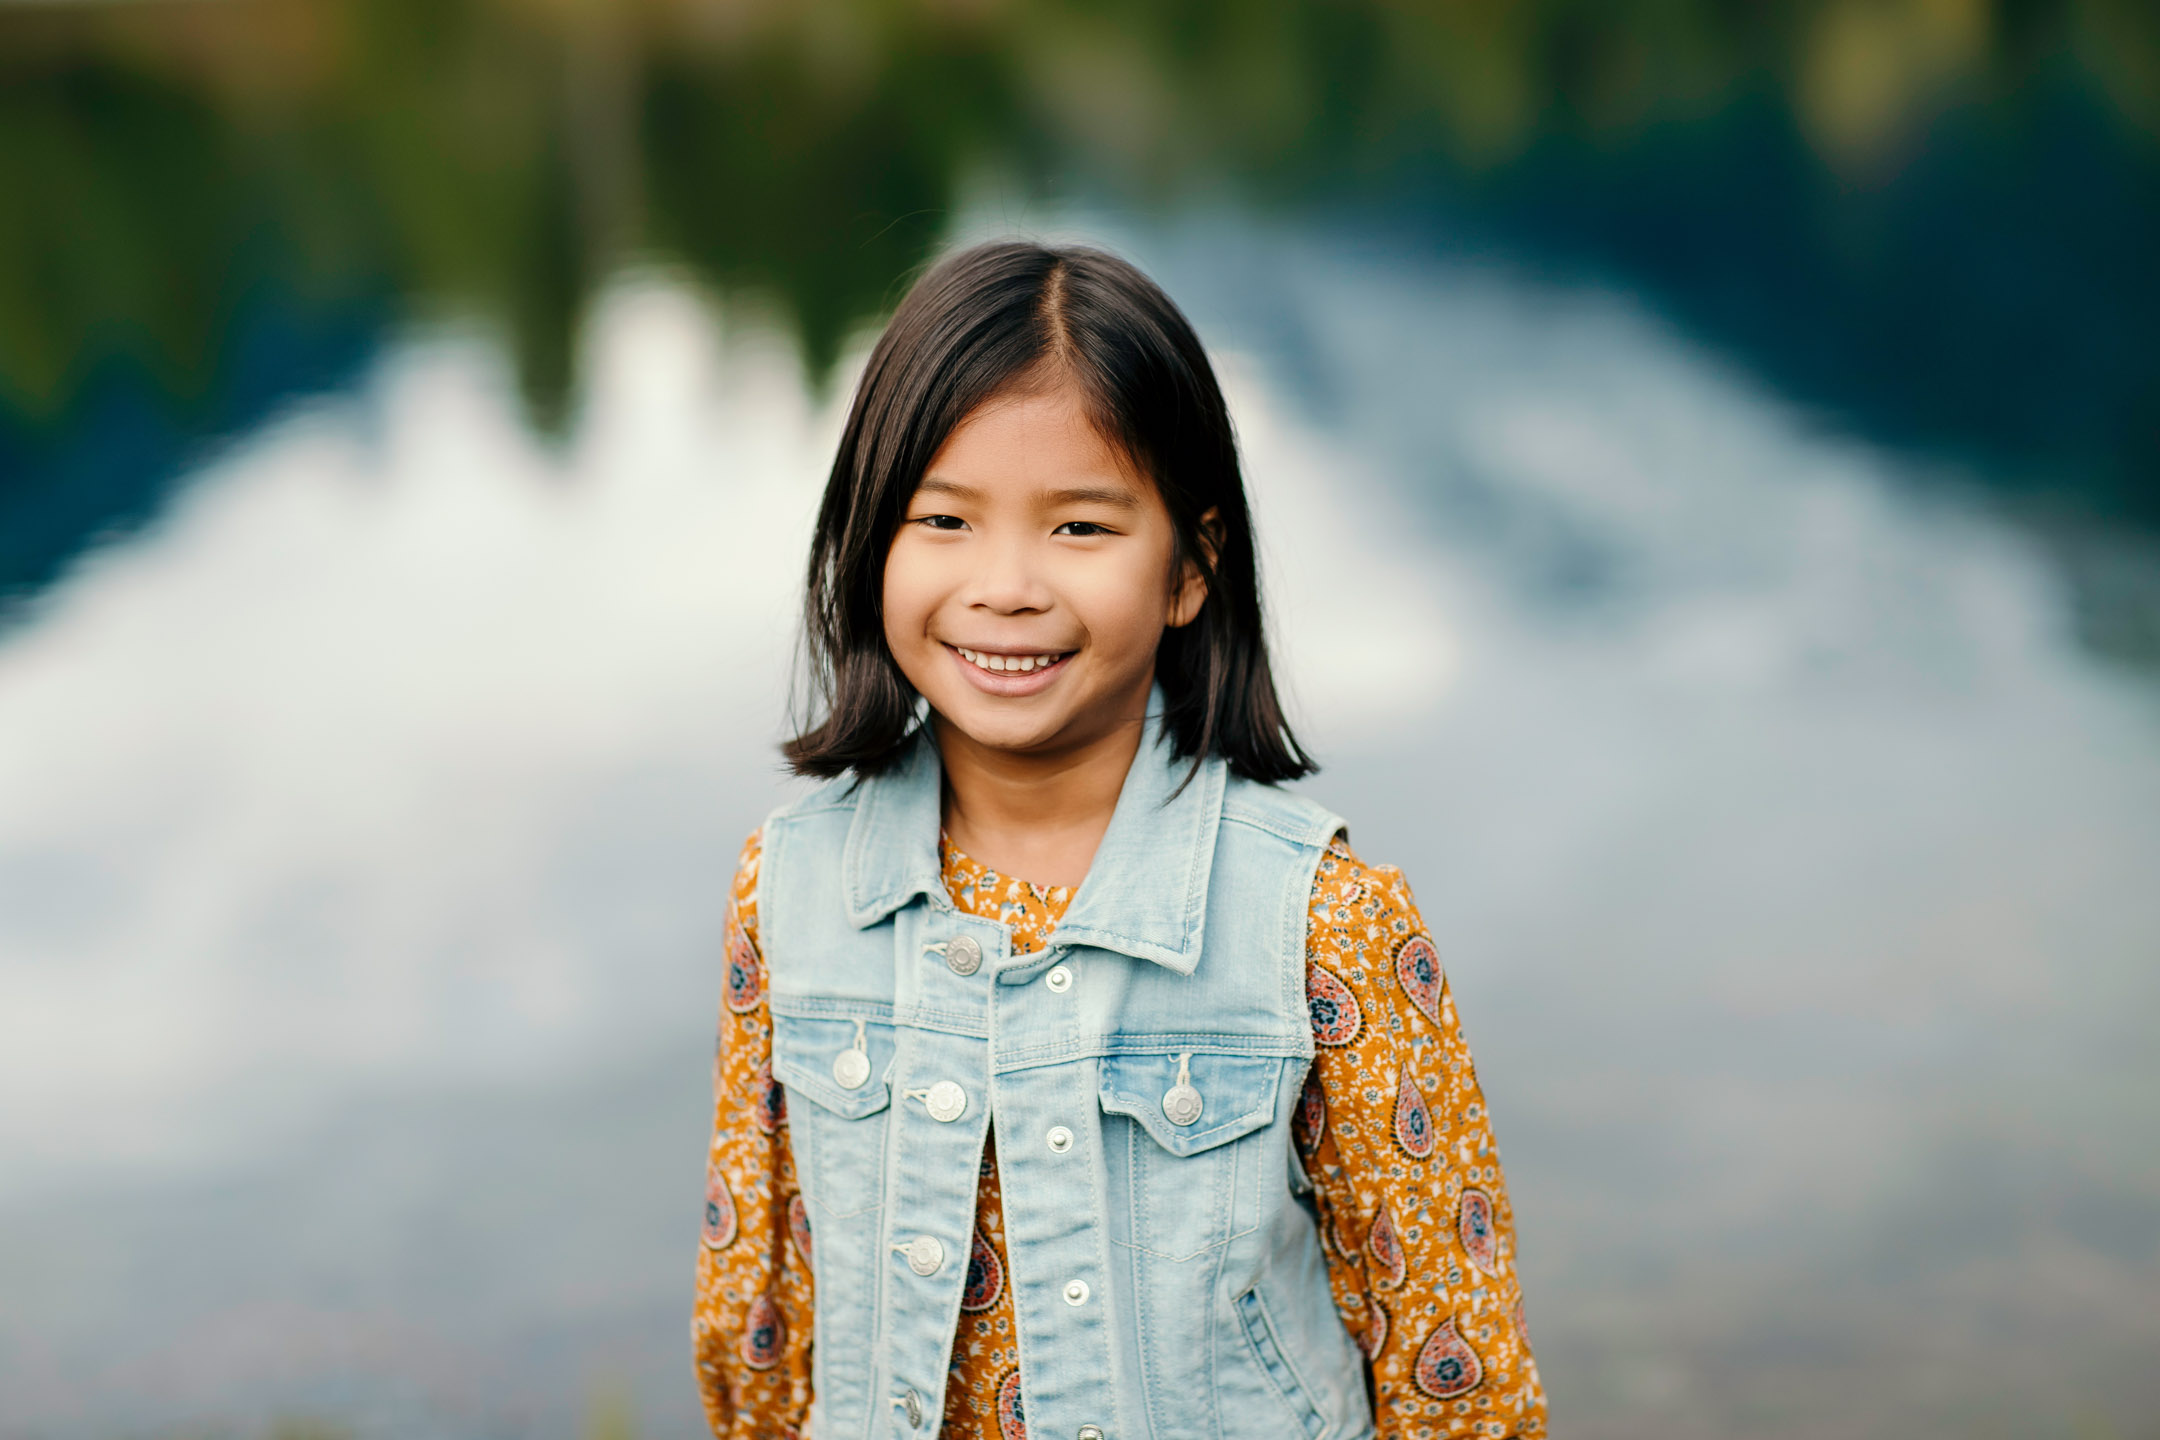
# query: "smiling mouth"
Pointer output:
{"type": "Point", "coordinates": [1010, 664]}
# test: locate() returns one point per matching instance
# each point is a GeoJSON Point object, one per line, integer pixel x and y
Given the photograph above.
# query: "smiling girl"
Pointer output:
{"type": "Point", "coordinates": [1073, 1079]}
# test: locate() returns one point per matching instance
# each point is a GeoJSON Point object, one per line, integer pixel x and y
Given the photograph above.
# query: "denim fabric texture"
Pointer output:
{"type": "Point", "coordinates": [1168, 1282]}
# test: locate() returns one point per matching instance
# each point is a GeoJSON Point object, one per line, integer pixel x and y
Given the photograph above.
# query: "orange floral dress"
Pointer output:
{"type": "Point", "coordinates": [1414, 1215]}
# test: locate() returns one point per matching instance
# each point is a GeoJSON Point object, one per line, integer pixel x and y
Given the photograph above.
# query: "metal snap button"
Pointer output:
{"type": "Point", "coordinates": [1059, 979]}
{"type": "Point", "coordinates": [1088, 1432]}
{"type": "Point", "coordinates": [911, 1405]}
{"type": "Point", "coordinates": [1060, 1139]}
{"type": "Point", "coordinates": [851, 1068]}
{"type": "Point", "coordinates": [1076, 1292]}
{"type": "Point", "coordinates": [1181, 1103]}
{"type": "Point", "coordinates": [945, 1101]}
{"type": "Point", "coordinates": [925, 1254]}
{"type": "Point", "coordinates": [962, 955]}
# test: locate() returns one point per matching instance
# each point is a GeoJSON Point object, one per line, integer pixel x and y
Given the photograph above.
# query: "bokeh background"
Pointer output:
{"type": "Point", "coordinates": [1708, 462]}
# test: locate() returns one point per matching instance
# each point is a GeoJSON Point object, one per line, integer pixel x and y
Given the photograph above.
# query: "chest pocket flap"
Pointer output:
{"type": "Point", "coordinates": [1236, 1095]}
{"type": "Point", "coordinates": [814, 1057]}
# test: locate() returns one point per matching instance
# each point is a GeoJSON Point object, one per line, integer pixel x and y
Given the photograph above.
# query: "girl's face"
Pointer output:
{"type": "Point", "coordinates": [1031, 580]}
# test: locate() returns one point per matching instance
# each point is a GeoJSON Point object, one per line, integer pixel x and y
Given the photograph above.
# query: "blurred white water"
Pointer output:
{"type": "Point", "coordinates": [297, 786]}
{"type": "Point", "coordinates": [364, 833]}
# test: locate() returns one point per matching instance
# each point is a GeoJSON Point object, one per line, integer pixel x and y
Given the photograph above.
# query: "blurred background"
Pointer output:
{"type": "Point", "coordinates": [1708, 463]}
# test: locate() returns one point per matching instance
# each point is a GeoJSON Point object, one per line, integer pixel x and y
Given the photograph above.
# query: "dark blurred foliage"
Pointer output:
{"type": "Point", "coordinates": [1933, 219]}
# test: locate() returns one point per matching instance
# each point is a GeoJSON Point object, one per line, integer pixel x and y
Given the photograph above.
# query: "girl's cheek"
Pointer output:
{"type": "Point", "coordinates": [905, 594]}
{"type": "Point", "coordinates": [1128, 619]}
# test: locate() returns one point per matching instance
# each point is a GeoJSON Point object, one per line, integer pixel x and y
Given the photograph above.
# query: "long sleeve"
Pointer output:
{"type": "Point", "coordinates": [1414, 1213]}
{"type": "Point", "coordinates": [751, 1327]}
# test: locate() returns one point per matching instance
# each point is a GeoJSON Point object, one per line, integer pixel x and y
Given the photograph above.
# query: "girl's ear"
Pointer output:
{"type": "Point", "coordinates": [1190, 591]}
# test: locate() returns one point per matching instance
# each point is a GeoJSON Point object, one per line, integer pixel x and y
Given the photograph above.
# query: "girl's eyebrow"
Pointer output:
{"type": "Point", "coordinates": [1116, 495]}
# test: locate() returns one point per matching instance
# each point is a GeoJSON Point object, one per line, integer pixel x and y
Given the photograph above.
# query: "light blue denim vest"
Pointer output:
{"type": "Point", "coordinates": [1166, 1271]}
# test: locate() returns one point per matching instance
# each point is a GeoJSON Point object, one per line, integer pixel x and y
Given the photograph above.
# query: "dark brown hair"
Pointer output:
{"type": "Point", "coordinates": [981, 323]}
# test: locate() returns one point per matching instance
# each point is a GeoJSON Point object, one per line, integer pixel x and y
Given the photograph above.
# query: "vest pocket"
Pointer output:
{"type": "Point", "coordinates": [839, 1136]}
{"type": "Point", "coordinates": [1191, 1187]}
{"type": "Point", "coordinates": [1260, 1338]}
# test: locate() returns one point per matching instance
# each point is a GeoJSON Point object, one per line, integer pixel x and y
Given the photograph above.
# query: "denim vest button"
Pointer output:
{"type": "Point", "coordinates": [925, 1254]}
{"type": "Point", "coordinates": [911, 1405]}
{"type": "Point", "coordinates": [1088, 1432]}
{"type": "Point", "coordinates": [1060, 1139]}
{"type": "Point", "coordinates": [962, 955]}
{"type": "Point", "coordinates": [1181, 1105]}
{"type": "Point", "coordinates": [851, 1069]}
{"type": "Point", "coordinates": [945, 1101]}
{"type": "Point", "coordinates": [1059, 979]}
{"type": "Point", "coordinates": [1076, 1292]}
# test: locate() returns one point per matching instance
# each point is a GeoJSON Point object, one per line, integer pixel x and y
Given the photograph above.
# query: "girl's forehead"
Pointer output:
{"type": "Point", "coordinates": [1035, 445]}
{"type": "Point", "coordinates": [1058, 412]}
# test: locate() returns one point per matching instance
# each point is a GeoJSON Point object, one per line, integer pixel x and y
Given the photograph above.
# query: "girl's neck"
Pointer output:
{"type": "Point", "coordinates": [1034, 816]}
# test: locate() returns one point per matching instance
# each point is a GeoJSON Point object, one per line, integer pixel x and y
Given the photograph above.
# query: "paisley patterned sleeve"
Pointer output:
{"type": "Point", "coordinates": [1414, 1214]}
{"type": "Point", "coordinates": [750, 1330]}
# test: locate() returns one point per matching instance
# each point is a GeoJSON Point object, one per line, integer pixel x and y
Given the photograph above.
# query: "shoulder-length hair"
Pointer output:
{"type": "Point", "coordinates": [982, 322]}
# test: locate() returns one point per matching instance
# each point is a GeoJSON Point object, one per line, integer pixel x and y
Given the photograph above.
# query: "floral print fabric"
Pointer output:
{"type": "Point", "coordinates": [1414, 1215]}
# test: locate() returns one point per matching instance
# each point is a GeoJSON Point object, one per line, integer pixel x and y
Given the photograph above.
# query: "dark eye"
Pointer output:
{"type": "Point", "coordinates": [942, 522]}
{"type": "Point", "coordinates": [1082, 528]}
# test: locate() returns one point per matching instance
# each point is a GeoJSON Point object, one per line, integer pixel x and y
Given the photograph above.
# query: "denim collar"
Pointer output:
{"type": "Point", "coordinates": [1145, 894]}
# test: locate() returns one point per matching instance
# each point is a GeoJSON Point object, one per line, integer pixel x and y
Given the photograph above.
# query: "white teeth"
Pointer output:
{"type": "Point", "coordinates": [1006, 664]}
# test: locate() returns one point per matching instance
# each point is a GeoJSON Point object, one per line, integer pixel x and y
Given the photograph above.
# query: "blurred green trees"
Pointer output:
{"type": "Point", "coordinates": [163, 168]}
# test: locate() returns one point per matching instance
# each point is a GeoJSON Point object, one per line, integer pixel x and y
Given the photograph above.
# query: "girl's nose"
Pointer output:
{"type": "Point", "coordinates": [1009, 582]}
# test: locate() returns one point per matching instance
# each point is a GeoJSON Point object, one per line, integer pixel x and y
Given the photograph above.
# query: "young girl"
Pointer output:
{"type": "Point", "coordinates": [1074, 1080]}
